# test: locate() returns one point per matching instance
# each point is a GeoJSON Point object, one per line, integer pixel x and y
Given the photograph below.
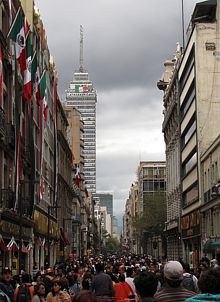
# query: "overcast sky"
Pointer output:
{"type": "Point", "coordinates": [125, 45]}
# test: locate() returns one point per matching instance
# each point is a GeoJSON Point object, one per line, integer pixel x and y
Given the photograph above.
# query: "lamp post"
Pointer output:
{"type": "Point", "coordinates": [49, 208]}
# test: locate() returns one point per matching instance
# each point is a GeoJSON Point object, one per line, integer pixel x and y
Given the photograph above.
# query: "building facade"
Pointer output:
{"type": "Point", "coordinates": [198, 93]}
{"type": "Point", "coordinates": [170, 128]}
{"type": "Point", "coordinates": [152, 216]}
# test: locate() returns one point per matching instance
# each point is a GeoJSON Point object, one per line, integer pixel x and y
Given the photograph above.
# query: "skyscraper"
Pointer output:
{"type": "Point", "coordinates": [82, 95]}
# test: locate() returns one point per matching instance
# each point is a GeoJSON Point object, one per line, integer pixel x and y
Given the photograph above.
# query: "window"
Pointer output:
{"type": "Point", "coordinates": [190, 195]}
{"type": "Point", "coordinates": [190, 163]}
{"type": "Point", "coordinates": [187, 70]}
{"type": "Point", "coordinates": [188, 134]}
{"type": "Point", "coordinates": [189, 98]}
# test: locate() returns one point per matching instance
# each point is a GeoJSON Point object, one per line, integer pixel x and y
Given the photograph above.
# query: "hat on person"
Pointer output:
{"type": "Point", "coordinates": [6, 270]}
{"type": "Point", "coordinates": [173, 270]}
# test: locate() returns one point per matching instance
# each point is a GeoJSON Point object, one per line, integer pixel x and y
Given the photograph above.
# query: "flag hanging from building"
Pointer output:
{"type": "Point", "coordinates": [35, 78]}
{"type": "Point", "coordinates": [17, 34]}
{"type": "Point", "coordinates": [27, 72]}
{"type": "Point", "coordinates": [1, 72]}
{"type": "Point", "coordinates": [43, 86]}
{"type": "Point", "coordinates": [77, 177]}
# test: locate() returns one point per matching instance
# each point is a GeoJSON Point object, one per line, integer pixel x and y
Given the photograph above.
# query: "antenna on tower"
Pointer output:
{"type": "Point", "coordinates": [81, 50]}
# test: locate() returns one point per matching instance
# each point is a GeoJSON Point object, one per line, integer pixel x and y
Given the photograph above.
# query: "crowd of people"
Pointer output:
{"type": "Point", "coordinates": [114, 279]}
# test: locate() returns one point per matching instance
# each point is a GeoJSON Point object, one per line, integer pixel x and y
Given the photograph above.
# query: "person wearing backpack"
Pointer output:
{"type": "Point", "coordinates": [189, 280]}
{"type": "Point", "coordinates": [25, 292]}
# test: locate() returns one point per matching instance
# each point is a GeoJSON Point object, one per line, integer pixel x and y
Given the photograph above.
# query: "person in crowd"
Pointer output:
{"type": "Point", "coordinates": [209, 286]}
{"type": "Point", "coordinates": [39, 293]}
{"type": "Point", "coordinates": [111, 271]}
{"type": "Point", "coordinates": [172, 289]}
{"type": "Point", "coordinates": [57, 294]}
{"type": "Point", "coordinates": [74, 286]}
{"type": "Point", "coordinates": [204, 265]}
{"type": "Point", "coordinates": [6, 288]}
{"type": "Point", "coordinates": [25, 291]}
{"type": "Point", "coordinates": [37, 278]}
{"type": "Point", "coordinates": [121, 270]}
{"type": "Point", "coordinates": [85, 296]}
{"type": "Point", "coordinates": [214, 263]}
{"type": "Point", "coordinates": [48, 280]}
{"type": "Point", "coordinates": [102, 283]}
{"type": "Point", "coordinates": [146, 286]}
{"type": "Point", "coordinates": [123, 290]}
{"type": "Point", "coordinates": [87, 281]}
{"type": "Point", "coordinates": [190, 281]}
{"type": "Point", "coordinates": [130, 277]}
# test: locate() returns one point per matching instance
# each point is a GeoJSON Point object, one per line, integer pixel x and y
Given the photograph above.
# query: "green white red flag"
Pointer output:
{"type": "Point", "coordinates": [27, 72]}
{"type": "Point", "coordinates": [17, 34]}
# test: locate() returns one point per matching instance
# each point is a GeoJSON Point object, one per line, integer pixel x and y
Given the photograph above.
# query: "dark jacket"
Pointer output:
{"type": "Point", "coordinates": [8, 289]}
{"type": "Point", "coordinates": [102, 285]}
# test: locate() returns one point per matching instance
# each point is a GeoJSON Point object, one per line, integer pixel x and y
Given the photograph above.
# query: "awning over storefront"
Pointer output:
{"type": "Point", "coordinates": [211, 245]}
{"type": "Point", "coordinates": [216, 244]}
{"type": "Point", "coordinates": [208, 246]}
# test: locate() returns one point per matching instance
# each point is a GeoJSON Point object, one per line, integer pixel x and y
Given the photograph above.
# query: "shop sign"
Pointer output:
{"type": "Point", "coordinates": [190, 224]}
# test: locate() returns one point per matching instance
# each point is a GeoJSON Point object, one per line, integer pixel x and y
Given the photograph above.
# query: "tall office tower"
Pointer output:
{"type": "Point", "coordinates": [82, 95]}
{"type": "Point", "coordinates": [106, 200]}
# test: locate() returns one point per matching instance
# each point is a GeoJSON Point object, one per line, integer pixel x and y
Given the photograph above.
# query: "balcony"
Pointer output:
{"type": "Point", "coordinates": [7, 200]}
{"type": "Point", "coordinates": [2, 123]}
{"type": "Point", "coordinates": [27, 207]}
{"type": "Point", "coordinates": [10, 136]}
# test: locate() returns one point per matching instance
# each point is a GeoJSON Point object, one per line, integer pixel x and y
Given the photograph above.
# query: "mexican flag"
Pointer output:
{"type": "Point", "coordinates": [35, 78]}
{"type": "Point", "coordinates": [81, 89]}
{"type": "Point", "coordinates": [1, 72]}
{"type": "Point", "coordinates": [27, 72]}
{"type": "Point", "coordinates": [17, 34]}
{"type": "Point", "coordinates": [43, 95]}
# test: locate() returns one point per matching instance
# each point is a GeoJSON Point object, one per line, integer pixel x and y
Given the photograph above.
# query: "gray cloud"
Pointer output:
{"type": "Point", "coordinates": [125, 45]}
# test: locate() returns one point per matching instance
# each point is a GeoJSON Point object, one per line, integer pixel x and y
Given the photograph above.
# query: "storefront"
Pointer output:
{"type": "Point", "coordinates": [45, 240]}
{"type": "Point", "coordinates": [191, 237]}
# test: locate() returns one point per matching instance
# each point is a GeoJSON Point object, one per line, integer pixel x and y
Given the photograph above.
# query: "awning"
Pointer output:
{"type": "Point", "coordinates": [208, 246]}
{"type": "Point", "coordinates": [216, 244]}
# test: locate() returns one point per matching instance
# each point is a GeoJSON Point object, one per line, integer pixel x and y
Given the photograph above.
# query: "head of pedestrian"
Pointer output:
{"type": "Point", "coordinates": [6, 274]}
{"type": "Point", "coordinates": [173, 273]}
{"type": "Point", "coordinates": [56, 286]}
{"type": "Point", "coordinates": [204, 263]}
{"type": "Point", "coordinates": [85, 296]}
{"type": "Point", "coordinates": [130, 272]}
{"type": "Point", "coordinates": [39, 289]}
{"type": "Point", "coordinates": [99, 266]}
{"type": "Point", "coordinates": [146, 284]}
{"type": "Point", "coordinates": [209, 286]}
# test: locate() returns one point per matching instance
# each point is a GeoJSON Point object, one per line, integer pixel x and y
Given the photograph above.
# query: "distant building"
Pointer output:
{"type": "Point", "coordinates": [82, 95]}
{"type": "Point", "coordinates": [115, 228]}
{"type": "Point", "coordinates": [106, 200]}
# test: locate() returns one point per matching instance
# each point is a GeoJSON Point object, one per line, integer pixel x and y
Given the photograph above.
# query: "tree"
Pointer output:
{"type": "Point", "coordinates": [112, 245]}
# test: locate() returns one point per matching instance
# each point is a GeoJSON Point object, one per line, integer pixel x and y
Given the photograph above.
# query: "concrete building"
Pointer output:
{"type": "Point", "coordinates": [82, 95]}
{"type": "Point", "coordinates": [199, 114]}
{"type": "Point", "coordinates": [169, 84]}
{"type": "Point", "coordinates": [152, 216]}
{"type": "Point", "coordinates": [210, 196]}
